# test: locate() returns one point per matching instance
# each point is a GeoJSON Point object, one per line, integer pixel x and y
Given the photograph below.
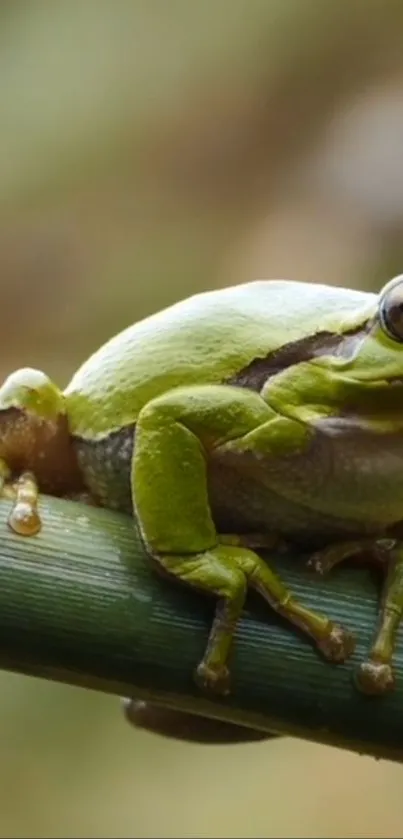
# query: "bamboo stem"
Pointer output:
{"type": "Point", "coordinates": [80, 603]}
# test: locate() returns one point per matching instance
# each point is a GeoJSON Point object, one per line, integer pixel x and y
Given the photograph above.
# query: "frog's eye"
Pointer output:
{"type": "Point", "coordinates": [391, 309]}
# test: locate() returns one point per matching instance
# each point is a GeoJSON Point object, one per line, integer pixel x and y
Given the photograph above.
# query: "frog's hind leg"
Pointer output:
{"type": "Point", "coordinates": [375, 674]}
{"type": "Point", "coordinates": [174, 435]}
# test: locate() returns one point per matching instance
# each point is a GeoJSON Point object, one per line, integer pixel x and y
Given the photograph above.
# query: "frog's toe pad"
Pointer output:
{"type": "Point", "coordinates": [375, 677]}
{"type": "Point", "coordinates": [338, 645]}
{"type": "Point", "coordinates": [213, 679]}
{"type": "Point", "coordinates": [24, 519]}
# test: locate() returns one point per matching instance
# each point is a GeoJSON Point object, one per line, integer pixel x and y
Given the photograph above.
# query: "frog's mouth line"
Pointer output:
{"type": "Point", "coordinates": [344, 345]}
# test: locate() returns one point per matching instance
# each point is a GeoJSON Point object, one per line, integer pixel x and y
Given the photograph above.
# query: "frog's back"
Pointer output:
{"type": "Point", "coordinates": [205, 339]}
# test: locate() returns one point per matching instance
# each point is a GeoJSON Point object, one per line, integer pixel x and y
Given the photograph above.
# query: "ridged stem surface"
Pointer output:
{"type": "Point", "coordinates": [81, 603]}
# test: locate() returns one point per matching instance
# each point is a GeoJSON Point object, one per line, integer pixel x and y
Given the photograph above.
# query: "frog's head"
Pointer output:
{"type": "Point", "coordinates": [354, 367]}
{"type": "Point", "coordinates": [373, 352]}
{"type": "Point", "coordinates": [33, 423]}
{"type": "Point", "coordinates": [364, 371]}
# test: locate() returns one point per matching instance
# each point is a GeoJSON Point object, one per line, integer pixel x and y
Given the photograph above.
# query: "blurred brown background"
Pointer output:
{"type": "Point", "coordinates": [149, 150]}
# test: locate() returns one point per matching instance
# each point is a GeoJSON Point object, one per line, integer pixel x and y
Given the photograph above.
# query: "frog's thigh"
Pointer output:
{"type": "Point", "coordinates": [173, 434]}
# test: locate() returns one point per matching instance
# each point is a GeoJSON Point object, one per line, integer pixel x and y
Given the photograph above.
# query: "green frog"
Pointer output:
{"type": "Point", "coordinates": [237, 417]}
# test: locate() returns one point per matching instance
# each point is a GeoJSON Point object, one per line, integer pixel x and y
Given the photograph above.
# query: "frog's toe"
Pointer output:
{"type": "Point", "coordinates": [375, 677]}
{"type": "Point", "coordinates": [24, 520]}
{"type": "Point", "coordinates": [321, 562]}
{"type": "Point", "coordinates": [213, 679]}
{"type": "Point", "coordinates": [338, 645]}
{"type": "Point", "coordinates": [324, 560]}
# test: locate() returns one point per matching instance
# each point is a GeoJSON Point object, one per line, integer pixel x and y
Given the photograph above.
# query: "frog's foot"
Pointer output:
{"type": "Point", "coordinates": [227, 571]}
{"type": "Point", "coordinates": [213, 679]}
{"type": "Point", "coordinates": [323, 561]}
{"type": "Point", "coordinates": [375, 677]}
{"type": "Point", "coordinates": [24, 518]}
{"type": "Point", "coordinates": [339, 645]}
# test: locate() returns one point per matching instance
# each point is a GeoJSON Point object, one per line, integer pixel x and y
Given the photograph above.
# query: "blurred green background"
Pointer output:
{"type": "Point", "coordinates": [149, 150]}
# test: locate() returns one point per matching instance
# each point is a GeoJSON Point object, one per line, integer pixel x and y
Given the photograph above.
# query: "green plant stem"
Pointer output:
{"type": "Point", "coordinates": [81, 603]}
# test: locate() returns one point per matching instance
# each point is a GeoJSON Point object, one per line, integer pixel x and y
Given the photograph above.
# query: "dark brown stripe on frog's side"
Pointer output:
{"type": "Point", "coordinates": [255, 375]}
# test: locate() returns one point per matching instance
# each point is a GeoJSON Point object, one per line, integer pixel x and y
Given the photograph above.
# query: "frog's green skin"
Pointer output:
{"type": "Point", "coordinates": [271, 407]}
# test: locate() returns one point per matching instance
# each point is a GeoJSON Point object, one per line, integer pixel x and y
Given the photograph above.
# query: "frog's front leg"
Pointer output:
{"type": "Point", "coordinates": [375, 674]}
{"type": "Point", "coordinates": [24, 518]}
{"type": "Point", "coordinates": [175, 434]}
